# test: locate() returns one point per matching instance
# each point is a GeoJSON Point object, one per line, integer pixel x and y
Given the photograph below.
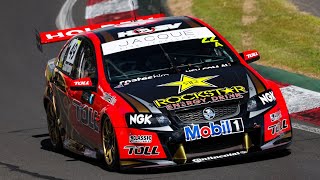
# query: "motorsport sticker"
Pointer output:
{"type": "Point", "coordinates": [142, 150]}
{"type": "Point", "coordinates": [201, 97]}
{"type": "Point", "coordinates": [127, 82]}
{"type": "Point", "coordinates": [209, 67]}
{"type": "Point", "coordinates": [86, 115]}
{"type": "Point", "coordinates": [279, 127]}
{"type": "Point", "coordinates": [213, 129]}
{"type": "Point", "coordinates": [212, 40]}
{"type": "Point", "coordinates": [147, 40]}
{"type": "Point", "coordinates": [140, 31]}
{"type": "Point", "coordinates": [210, 158]}
{"type": "Point", "coordinates": [140, 139]}
{"type": "Point", "coordinates": [108, 97]}
{"type": "Point", "coordinates": [187, 82]}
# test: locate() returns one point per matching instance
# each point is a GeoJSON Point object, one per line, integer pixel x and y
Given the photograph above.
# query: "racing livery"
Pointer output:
{"type": "Point", "coordinates": [159, 92]}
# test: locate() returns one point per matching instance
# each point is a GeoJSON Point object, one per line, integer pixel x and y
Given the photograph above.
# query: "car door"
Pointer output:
{"type": "Point", "coordinates": [85, 103]}
{"type": "Point", "coordinates": [62, 78]}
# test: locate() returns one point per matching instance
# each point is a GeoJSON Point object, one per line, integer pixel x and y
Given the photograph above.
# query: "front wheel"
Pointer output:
{"type": "Point", "coordinates": [53, 128]}
{"type": "Point", "coordinates": [110, 147]}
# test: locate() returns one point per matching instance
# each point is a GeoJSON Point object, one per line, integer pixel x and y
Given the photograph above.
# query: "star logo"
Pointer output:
{"type": "Point", "coordinates": [187, 82]}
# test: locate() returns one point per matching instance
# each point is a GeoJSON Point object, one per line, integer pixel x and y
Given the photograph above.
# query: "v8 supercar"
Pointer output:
{"type": "Point", "coordinates": [160, 92]}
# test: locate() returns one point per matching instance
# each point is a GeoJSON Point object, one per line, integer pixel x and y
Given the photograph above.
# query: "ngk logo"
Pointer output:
{"type": "Point", "coordinates": [81, 83]}
{"type": "Point", "coordinates": [140, 119]}
{"type": "Point", "coordinates": [149, 30]}
{"type": "Point", "coordinates": [267, 97]}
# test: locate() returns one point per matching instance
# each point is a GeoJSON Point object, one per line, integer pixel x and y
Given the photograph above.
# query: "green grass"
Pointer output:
{"type": "Point", "coordinates": [285, 37]}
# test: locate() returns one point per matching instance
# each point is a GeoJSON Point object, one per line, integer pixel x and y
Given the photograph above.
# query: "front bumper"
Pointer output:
{"type": "Point", "coordinates": [244, 144]}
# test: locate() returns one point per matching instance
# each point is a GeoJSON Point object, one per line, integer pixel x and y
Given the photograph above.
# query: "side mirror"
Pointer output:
{"type": "Point", "coordinates": [250, 56]}
{"type": "Point", "coordinates": [82, 84]}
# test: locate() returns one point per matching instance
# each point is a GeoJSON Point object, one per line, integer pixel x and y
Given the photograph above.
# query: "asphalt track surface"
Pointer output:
{"type": "Point", "coordinates": [25, 151]}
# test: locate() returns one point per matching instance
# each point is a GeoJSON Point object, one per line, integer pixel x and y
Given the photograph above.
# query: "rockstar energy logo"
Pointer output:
{"type": "Point", "coordinates": [201, 97]}
{"type": "Point", "coordinates": [187, 82]}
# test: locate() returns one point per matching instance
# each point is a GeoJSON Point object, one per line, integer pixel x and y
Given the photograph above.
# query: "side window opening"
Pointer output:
{"type": "Point", "coordinates": [86, 66]}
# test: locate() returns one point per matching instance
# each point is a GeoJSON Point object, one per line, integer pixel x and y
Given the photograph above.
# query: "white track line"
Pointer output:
{"type": "Point", "coordinates": [64, 19]}
{"type": "Point", "coordinates": [299, 99]}
{"type": "Point", "coordinates": [306, 128]}
{"type": "Point", "coordinates": [110, 7]}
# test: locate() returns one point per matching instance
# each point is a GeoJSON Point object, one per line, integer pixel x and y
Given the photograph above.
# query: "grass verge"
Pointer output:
{"type": "Point", "coordinates": [285, 37]}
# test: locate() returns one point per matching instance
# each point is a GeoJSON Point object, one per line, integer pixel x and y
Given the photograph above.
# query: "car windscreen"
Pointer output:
{"type": "Point", "coordinates": [168, 58]}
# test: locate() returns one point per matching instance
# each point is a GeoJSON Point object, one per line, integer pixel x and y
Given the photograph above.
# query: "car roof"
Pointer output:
{"type": "Point", "coordinates": [110, 33]}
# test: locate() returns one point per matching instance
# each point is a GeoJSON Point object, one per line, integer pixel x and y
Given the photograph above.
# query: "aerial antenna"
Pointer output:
{"type": "Point", "coordinates": [133, 11]}
{"type": "Point", "coordinates": [160, 7]}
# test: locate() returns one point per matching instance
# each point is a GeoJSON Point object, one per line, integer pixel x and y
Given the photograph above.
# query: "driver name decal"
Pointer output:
{"type": "Point", "coordinates": [155, 39]}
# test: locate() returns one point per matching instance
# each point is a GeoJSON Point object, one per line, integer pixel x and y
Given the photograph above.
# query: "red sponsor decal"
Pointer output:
{"type": "Point", "coordinates": [139, 144]}
{"type": "Point", "coordinates": [82, 82]}
{"type": "Point", "coordinates": [250, 54]}
{"type": "Point", "coordinates": [65, 34]}
{"type": "Point", "coordinates": [276, 123]}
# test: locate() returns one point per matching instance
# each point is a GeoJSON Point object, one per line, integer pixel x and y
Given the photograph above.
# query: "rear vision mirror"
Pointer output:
{"type": "Point", "coordinates": [250, 56]}
{"type": "Point", "coordinates": [82, 84]}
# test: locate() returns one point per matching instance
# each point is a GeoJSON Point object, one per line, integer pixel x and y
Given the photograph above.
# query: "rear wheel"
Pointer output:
{"type": "Point", "coordinates": [53, 128]}
{"type": "Point", "coordinates": [110, 147]}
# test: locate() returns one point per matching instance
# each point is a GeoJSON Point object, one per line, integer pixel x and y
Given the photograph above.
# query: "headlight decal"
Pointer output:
{"type": "Point", "coordinates": [257, 83]}
{"type": "Point", "coordinates": [252, 89]}
{"type": "Point", "coordinates": [149, 106]}
{"type": "Point", "coordinates": [261, 103]}
{"type": "Point", "coordinates": [134, 103]}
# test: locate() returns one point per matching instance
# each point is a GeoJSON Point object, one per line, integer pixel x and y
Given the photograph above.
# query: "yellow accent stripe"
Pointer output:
{"type": "Point", "coordinates": [259, 86]}
{"type": "Point", "coordinates": [140, 107]}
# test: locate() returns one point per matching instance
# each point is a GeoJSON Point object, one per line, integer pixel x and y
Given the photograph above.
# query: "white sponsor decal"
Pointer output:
{"type": "Point", "coordinates": [276, 116]}
{"type": "Point", "coordinates": [279, 127]}
{"type": "Point", "coordinates": [107, 96]}
{"type": "Point", "coordinates": [154, 39]}
{"type": "Point", "coordinates": [127, 82]}
{"type": "Point", "coordinates": [140, 119]}
{"type": "Point", "coordinates": [210, 158]}
{"type": "Point", "coordinates": [267, 97]}
{"type": "Point", "coordinates": [252, 55]}
{"type": "Point", "coordinates": [140, 138]}
{"type": "Point", "coordinates": [149, 30]}
{"type": "Point", "coordinates": [81, 83]}
{"type": "Point", "coordinates": [210, 67]}
{"type": "Point", "coordinates": [74, 47]}
{"type": "Point", "coordinates": [142, 150]}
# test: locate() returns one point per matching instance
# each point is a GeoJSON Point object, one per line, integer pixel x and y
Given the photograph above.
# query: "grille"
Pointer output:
{"type": "Point", "coordinates": [196, 115]}
{"type": "Point", "coordinates": [216, 145]}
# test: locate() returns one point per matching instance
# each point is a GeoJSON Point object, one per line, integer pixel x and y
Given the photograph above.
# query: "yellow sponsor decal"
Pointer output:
{"type": "Point", "coordinates": [187, 82]}
{"type": "Point", "coordinates": [201, 97]}
{"type": "Point", "coordinates": [212, 40]}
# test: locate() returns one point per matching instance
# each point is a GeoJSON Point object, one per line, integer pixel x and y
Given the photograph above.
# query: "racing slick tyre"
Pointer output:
{"type": "Point", "coordinates": [110, 146]}
{"type": "Point", "coordinates": [53, 128]}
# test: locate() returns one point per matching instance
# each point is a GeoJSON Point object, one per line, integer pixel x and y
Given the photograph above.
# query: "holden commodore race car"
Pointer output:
{"type": "Point", "coordinates": [160, 91]}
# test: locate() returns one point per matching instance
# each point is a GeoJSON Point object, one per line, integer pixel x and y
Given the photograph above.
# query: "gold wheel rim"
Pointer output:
{"type": "Point", "coordinates": [108, 143]}
{"type": "Point", "coordinates": [52, 128]}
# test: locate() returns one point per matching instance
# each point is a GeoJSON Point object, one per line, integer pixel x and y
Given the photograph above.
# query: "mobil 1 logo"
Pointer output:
{"type": "Point", "coordinates": [214, 129]}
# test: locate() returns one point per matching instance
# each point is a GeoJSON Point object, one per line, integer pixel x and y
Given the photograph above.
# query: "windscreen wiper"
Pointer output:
{"type": "Point", "coordinates": [214, 58]}
{"type": "Point", "coordinates": [173, 66]}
